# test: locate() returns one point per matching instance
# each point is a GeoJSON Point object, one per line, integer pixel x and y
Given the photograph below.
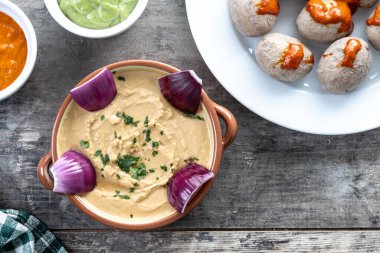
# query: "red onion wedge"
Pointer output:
{"type": "Point", "coordinates": [186, 183]}
{"type": "Point", "coordinates": [73, 173]}
{"type": "Point", "coordinates": [96, 93]}
{"type": "Point", "coordinates": [182, 90]}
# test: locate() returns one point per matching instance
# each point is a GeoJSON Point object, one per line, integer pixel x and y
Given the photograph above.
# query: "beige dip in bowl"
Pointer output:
{"type": "Point", "coordinates": [164, 139]}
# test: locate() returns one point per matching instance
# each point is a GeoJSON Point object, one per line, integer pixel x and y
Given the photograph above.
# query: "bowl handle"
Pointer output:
{"type": "Point", "coordinates": [43, 171]}
{"type": "Point", "coordinates": [231, 125]}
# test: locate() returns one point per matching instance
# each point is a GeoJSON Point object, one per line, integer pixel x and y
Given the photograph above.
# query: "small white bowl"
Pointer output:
{"type": "Point", "coordinates": [65, 22]}
{"type": "Point", "coordinates": [22, 20]}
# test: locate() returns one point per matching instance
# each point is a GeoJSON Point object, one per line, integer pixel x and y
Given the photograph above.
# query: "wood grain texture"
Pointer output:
{"type": "Point", "coordinates": [217, 241]}
{"type": "Point", "coordinates": [271, 177]}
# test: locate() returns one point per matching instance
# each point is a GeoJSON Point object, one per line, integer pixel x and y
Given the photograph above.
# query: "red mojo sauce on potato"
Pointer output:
{"type": "Point", "coordinates": [292, 57]}
{"type": "Point", "coordinates": [351, 50]}
{"type": "Point", "coordinates": [337, 12]}
{"type": "Point", "coordinates": [375, 20]}
{"type": "Point", "coordinates": [270, 7]}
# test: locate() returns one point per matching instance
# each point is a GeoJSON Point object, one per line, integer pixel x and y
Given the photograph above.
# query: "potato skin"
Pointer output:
{"type": "Point", "coordinates": [373, 34]}
{"type": "Point", "coordinates": [312, 30]}
{"type": "Point", "coordinates": [337, 79]}
{"type": "Point", "coordinates": [247, 21]}
{"type": "Point", "coordinates": [269, 51]}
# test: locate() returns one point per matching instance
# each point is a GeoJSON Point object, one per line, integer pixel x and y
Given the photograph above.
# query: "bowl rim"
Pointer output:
{"type": "Point", "coordinates": [13, 11]}
{"type": "Point", "coordinates": [57, 14]}
{"type": "Point", "coordinates": [217, 154]}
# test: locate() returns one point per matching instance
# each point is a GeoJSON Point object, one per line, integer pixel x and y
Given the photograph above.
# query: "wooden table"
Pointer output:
{"type": "Point", "coordinates": [277, 189]}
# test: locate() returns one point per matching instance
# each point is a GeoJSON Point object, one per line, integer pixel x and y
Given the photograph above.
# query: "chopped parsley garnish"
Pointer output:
{"type": "Point", "coordinates": [147, 135]}
{"type": "Point", "coordinates": [134, 141]}
{"type": "Point", "coordinates": [157, 178]}
{"type": "Point", "coordinates": [128, 120]}
{"type": "Point", "coordinates": [155, 144]}
{"type": "Point", "coordinates": [113, 72]}
{"type": "Point", "coordinates": [115, 135]}
{"type": "Point", "coordinates": [191, 159]}
{"type": "Point", "coordinates": [151, 170]}
{"type": "Point", "coordinates": [164, 168]}
{"type": "Point", "coordinates": [146, 121]}
{"type": "Point", "coordinates": [102, 118]}
{"type": "Point", "coordinates": [132, 190]}
{"type": "Point", "coordinates": [139, 172]}
{"type": "Point", "coordinates": [118, 176]}
{"type": "Point", "coordinates": [105, 158]}
{"type": "Point", "coordinates": [131, 215]}
{"type": "Point", "coordinates": [126, 162]}
{"type": "Point", "coordinates": [154, 152]}
{"type": "Point", "coordinates": [120, 78]}
{"type": "Point", "coordinates": [102, 169]}
{"type": "Point", "coordinates": [171, 165]}
{"type": "Point", "coordinates": [122, 196]}
{"type": "Point", "coordinates": [193, 116]}
{"type": "Point", "coordinates": [162, 132]}
{"type": "Point", "coordinates": [84, 144]}
{"type": "Point", "coordinates": [135, 184]}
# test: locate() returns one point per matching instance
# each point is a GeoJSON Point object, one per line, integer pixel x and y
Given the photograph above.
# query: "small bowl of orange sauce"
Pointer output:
{"type": "Point", "coordinates": [18, 48]}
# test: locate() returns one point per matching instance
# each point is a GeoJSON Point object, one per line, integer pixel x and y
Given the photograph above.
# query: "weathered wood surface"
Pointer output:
{"type": "Point", "coordinates": [271, 177]}
{"type": "Point", "coordinates": [218, 241]}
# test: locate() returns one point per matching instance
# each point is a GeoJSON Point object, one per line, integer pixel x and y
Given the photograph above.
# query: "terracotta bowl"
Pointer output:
{"type": "Point", "coordinates": [221, 143]}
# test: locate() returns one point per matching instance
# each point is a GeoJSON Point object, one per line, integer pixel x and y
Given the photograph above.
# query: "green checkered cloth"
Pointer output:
{"type": "Point", "coordinates": [21, 232]}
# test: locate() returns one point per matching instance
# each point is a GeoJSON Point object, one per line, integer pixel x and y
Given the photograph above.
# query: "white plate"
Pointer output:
{"type": "Point", "coordinates": [301, 106]}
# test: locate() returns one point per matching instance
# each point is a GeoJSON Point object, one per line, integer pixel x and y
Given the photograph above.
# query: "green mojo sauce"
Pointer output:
{"type": "Point", "coordinates": [97, 14]}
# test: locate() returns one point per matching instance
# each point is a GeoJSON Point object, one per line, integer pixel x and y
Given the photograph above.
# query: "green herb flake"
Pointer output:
{"type": "Point", "coordinates": [154, 152]}
{"type": "Point", "coordinates": [157, 178]}
{"type": "Point", "coordinates": [172, 171]}
{"type": "Point", "coordinates": [146, 121]}
{"type": "Point", "coordinates": [120, 78]}
{"type": "Point", "coordinates": [102, 169]}
{"type": "Point", "coordinates": [102, 118]}
{"type": "Point", "coordinates": [131, 215]}
{"type": "Point", "coordinates": [118, 176]}
{"type": "Point", "coordinates": [164, 168]}
{"type": "Point", "coordinates": [193, 116]}
{"type": "Point", "coordinates": [191, 159]}
{"type": "Point", "coordinates": [139, 172]}
{"type": "Point", "coordinates": [84, 144]}
{"type": "Point", "coordinates": [147, 133]}
{"type": "Point", "coordinates": [105, 158]}
{"type": "Point", "coordinates": [134, 141]}
{"type": "Point", "coordinates": [128, 120]}
{"type": "Point", "coordinates": [162, 132]}
{"type": "Point", "coordinates": [151, 170]}
{"type": "Point", "coordinates": [126, 162]}
{"type": "Point", "coordinates": [171, 164]}
{"type": "Point", "coordinates": [155, 144]}
{"type": "Point", "coordinates": [132, 190]}
{"type": "Point", "coordinates": [115, 135]}
{"type": "Point", "coordinates": [136, 184]}
{"type": "Point", "coordinates": [122, 196]}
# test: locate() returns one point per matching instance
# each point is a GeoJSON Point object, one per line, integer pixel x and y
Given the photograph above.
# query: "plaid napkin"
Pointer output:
{"type": "Point", "coordinates": [22, 232]}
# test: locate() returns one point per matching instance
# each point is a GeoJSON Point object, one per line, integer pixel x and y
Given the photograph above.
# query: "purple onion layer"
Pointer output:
{"type": "Point", "coordinates": [73, 173]}
{"type": "Point", "coordinates": [186, 183]}
{"type": "Point", "coordinates": [96, 93]}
